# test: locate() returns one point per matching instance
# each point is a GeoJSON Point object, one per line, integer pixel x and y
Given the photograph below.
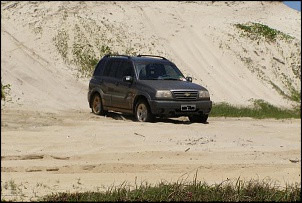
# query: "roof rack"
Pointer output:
{"type": "Point", "coordinates": [152, 56]}
{"type": "Point", "coordinates": [113, 55]}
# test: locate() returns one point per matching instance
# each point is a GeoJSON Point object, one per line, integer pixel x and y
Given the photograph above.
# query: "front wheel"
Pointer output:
{"type": "Point", "coordinates": [97, 106]}
{"type": "Point", "coordinates": [143, 112]}
{"type": "Point", "coordinates": [199, 119]}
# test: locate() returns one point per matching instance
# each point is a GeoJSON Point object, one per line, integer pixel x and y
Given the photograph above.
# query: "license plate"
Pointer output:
{"type": "Point", "coordinates": [186, 107]}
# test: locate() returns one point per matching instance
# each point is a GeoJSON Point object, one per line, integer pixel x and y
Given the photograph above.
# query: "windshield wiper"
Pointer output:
{"type": "Point", "coordinates": [170, 79]}
{"type": "Point", "coordinates": [162, 79]}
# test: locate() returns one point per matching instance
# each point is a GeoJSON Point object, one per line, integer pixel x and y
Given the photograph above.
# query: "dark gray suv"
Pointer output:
{"type": "Point", "coordinates": [147, 87]}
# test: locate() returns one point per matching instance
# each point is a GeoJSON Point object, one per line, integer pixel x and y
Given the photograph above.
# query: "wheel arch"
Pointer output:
{"type": "Point", "coordinates": [93, 92]}
{"type": "Point", "coordinates": [138, 97]}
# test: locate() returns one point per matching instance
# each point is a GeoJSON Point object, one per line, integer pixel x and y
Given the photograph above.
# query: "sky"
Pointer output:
{"type": "Point", "coordinates": [293, 4]}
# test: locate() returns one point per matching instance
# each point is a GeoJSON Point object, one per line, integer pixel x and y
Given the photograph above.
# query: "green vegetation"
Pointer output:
{"type": "Point", "coordinates": [15, 190]}
{"type": "Point", "coordinates": [84, 41]}
{"type": "Point", "coordinates": [60, 41]}
{"type": "Point", "coordinates": [296, 63]}
{"type": "Point", "coordinates": [83, 53]}
{"type": "Point", "coordinates": [295, 95]}
{"type": "Point", "coordinates": [257, 30]}
{"type": "Point", "coordinates": [252, 190]}
{"type": "Point", "coordinates": [283, 64]}
{"type": "Point", "coordinates": [5, 91]}
{"type": "Point", "coordinates": [260, 110]}
{"type": "Point", "coordinates": [83, 44]}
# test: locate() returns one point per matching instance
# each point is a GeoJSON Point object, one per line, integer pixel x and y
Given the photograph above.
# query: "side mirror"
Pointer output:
{"type": "Point", "coordinates": [128, 79]}
{"type": "Point", "coordinates": [189, 79]}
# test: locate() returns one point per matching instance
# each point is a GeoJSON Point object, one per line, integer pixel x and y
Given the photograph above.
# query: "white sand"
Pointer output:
{"type": "Point", "coordinates": [50, 142]}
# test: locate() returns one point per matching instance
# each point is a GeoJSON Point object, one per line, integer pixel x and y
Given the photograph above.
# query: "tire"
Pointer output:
{"type": "Point", "coordinates": [97, 106]}
{"type": "Point", "coordinates": [143, 112]}
{"type": "Point", "coordinates": [199, 119]}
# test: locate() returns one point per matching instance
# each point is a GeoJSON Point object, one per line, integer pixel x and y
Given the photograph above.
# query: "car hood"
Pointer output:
{"type": "Point", "coordinates": [172, 85]}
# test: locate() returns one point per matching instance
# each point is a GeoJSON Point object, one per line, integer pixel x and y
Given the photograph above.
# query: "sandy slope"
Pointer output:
{"type": "Point", "coordinates": [50, 142]}
{"type": "Point", "coordinates": [199, 37]}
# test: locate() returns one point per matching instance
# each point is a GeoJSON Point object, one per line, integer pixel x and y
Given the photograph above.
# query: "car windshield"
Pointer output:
{"type": "Point", "coordinates": [158, 71]}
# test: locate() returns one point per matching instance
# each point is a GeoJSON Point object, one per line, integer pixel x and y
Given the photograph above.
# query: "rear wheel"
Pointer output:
{"type": "Point", "coordinates": [142, 112]}
{"type": "Point", "coordinates": [199, 119]}
{"type": "Point", "coordinates": [97, 106]}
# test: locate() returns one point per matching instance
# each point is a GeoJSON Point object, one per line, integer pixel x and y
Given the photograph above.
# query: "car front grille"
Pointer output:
{"type": "Point", "coordinates": [185, 95]}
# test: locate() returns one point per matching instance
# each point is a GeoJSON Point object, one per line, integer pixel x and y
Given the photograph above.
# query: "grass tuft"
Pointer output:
{"type": "Point", "coordinates": [260, 110]}
{"type": "Point", "coordinates": [257, 30]}
{"type": "Point", "coordinates": [253, 190]}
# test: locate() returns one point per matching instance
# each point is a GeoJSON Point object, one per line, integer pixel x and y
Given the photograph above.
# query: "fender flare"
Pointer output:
{"type": "Point", "coordinates": [93, 91]}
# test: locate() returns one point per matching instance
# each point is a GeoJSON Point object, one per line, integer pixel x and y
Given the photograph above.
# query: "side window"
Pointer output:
{"type": "Point", "coordinates": [171, 72]}
{"type": "Point", "coordinates": [111, 68]}
{"type": "Point", "coordinates": [125, 69]}
{"type": "Point", "coordinates": [141, 68]}
{"type": "Point", "coordinates": [99, 67]}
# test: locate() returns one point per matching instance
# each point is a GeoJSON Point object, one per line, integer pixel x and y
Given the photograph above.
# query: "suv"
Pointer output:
{"type": "Point", "coordinates": [147, 87]}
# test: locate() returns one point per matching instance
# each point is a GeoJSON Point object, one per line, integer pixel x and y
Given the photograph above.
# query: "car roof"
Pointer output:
{"type": "Point", "coordinates": [149, 59]}
{"type": "Point", "coordinates": [142, 58]}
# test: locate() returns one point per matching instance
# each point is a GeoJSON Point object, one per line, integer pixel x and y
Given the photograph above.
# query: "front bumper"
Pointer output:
{"type": "Point", "coordinates": [173, 108]}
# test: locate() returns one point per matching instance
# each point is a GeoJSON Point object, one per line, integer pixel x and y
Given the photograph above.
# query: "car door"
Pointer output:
{"type": "Point", "coordinates": [124, 92]}
{"type": "Point", "coordinates": [109, 82]}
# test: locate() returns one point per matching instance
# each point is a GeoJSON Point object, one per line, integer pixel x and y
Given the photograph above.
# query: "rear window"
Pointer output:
{"type": "Point", "coordinates": [125, 69]}
{"type": "Point", "coordinates": [111, 68]}
{"type": "Point", "coordinates": [99, 67]}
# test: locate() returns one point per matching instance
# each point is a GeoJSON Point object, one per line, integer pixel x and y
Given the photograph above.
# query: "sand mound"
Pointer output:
{"type": "Point", "coordinates": [42, 43]}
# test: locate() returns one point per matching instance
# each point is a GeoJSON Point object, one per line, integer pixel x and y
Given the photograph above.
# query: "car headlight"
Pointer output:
{"type": "Point", "coordinates": [204, 94]}
{"type": "Point", "coordinates": [163, 94]}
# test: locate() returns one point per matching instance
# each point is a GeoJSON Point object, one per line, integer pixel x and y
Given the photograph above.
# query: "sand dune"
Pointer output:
{"type": "Point", "coordinates": [51, 142]}
{"type": "Point", "coordinates": [199, 37]}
